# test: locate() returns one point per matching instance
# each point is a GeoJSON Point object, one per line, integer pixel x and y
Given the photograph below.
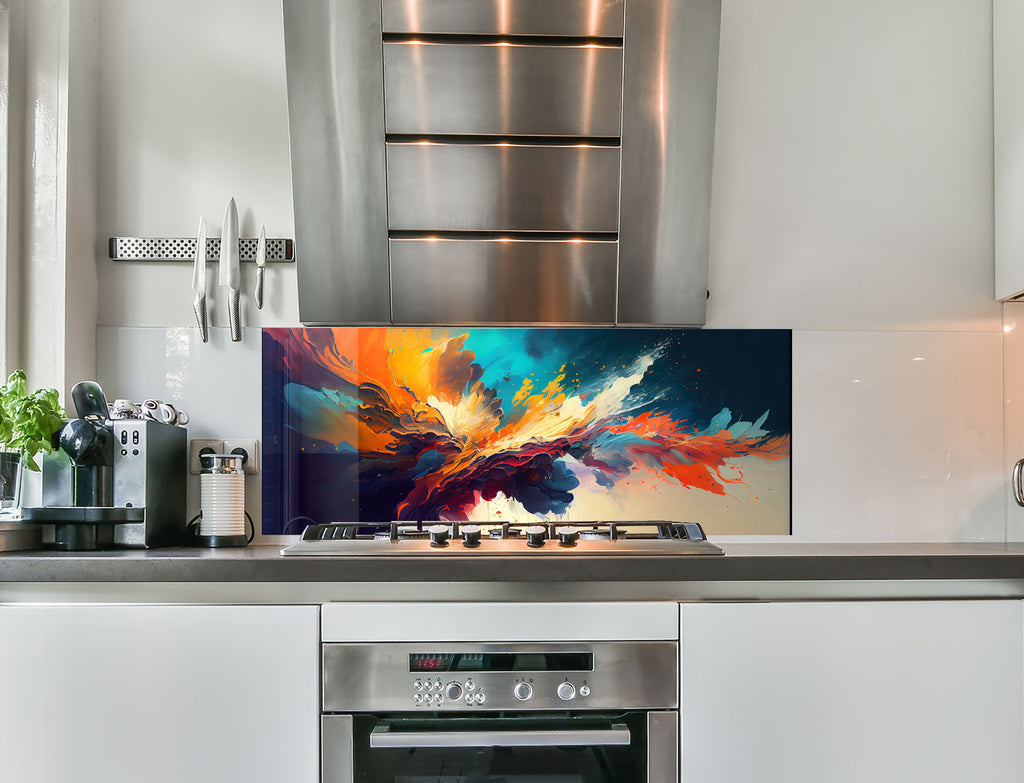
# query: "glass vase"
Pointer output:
{"type": "Point", "coordinates": [11, 469]}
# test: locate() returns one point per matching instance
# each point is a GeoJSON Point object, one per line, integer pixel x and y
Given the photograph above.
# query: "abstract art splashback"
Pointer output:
{"type": "Point", "coordinates": [378, 424]}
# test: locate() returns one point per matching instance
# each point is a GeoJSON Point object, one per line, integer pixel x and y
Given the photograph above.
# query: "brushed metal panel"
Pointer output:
{"type": "Point", "coordinates": [502, 89]}
{"type": "Point", "coordinates": [336, 122]}
{"type": "Point", "coordinates": [662, 747]}
{"type": "Point", "coordinates": [337, 746]}
{"type": "Point", "coordinates": [372, 677]}
{"type": "Point", "coordinates": [670, 79]}
{"type": "Point", "coordinates": [597, 18]}
{"type": "Point", "coordinates": [495, 281]}
{"type": "Point", "coordinates": [502, 187]}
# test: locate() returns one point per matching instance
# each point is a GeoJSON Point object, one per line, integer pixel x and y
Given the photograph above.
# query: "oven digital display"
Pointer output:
{"type": "Point", "coordinates": [502, 662]}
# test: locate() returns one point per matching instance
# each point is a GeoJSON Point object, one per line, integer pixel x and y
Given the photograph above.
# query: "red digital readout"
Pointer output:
{"type": "Point", "coordinates": [429, 662]}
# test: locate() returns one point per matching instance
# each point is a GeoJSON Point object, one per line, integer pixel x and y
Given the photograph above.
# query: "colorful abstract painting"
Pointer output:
{"type": "Point", "coordinates": [519, 424]}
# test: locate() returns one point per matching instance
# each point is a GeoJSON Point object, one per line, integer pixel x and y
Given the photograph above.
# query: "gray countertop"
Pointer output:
{"type": "Point", "coordinates": [741, 563]}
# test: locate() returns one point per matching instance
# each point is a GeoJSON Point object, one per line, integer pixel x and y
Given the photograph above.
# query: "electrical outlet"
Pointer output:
{"type": "Point", "coordinates": [199, 446]}
{"type": "Point", "coordinates": [249, 448]}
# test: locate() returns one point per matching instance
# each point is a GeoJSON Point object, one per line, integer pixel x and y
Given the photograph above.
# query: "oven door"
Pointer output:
{"type": "Point", "coordinates": [630, 747]}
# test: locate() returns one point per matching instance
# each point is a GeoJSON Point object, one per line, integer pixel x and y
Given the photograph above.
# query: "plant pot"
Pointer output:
{"type": "Point", "coordinates": [11, 469]}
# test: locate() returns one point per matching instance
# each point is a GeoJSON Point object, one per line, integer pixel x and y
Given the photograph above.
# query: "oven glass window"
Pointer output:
{"type": "Point", "coordinates": [534, 756]}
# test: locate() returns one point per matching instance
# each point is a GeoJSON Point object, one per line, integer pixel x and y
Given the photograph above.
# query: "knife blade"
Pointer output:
{"type": "Point", "coordinates": [229, 274]}
{"type": "Point", "coordinates": [261, 262]}
{"type": "Point", "coordinates": [199, 282]}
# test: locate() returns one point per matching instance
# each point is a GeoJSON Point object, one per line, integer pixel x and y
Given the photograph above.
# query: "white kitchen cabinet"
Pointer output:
{"type": "Point", "coordinates": [159, 694]}
{"type": "Point", "coordinates": [1008, 151]}
{"type": "Point", "coordinates": [852, 692]}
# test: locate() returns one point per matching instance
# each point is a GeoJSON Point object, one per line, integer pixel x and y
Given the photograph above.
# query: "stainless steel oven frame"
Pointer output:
{"type": "Point", "coordinates": [584, 704]}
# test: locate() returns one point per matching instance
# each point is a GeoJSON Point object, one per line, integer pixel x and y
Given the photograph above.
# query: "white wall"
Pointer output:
{"type": "Point", "coordinates": [194, 112]}
{"type": "Point", "coordinates": [852, 203]}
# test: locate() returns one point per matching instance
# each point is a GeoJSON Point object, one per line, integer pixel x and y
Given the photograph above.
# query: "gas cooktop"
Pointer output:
{"type": "Point", "coordinates": [503, 538]}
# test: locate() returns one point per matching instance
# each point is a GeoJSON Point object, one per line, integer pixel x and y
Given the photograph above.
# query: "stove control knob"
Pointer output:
{"type": "Point", "coordinates": [471, 535]}
{"type": "Point", "coordinates": [453, 691]}
{"type": "Point", "coordinates": [535, 535]}
{"type": "Point", "coordinates": [523, 691]}
{"type": "Point", "coordinates": [438, 535]}
{"type": "Point", "coordinates": [566, 691]}
{"type": "Point", "coordinates": [568, 535]}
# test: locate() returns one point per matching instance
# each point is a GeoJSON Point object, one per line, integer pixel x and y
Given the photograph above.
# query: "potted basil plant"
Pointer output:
{"type": "Point", "coordinates": [28, 423]}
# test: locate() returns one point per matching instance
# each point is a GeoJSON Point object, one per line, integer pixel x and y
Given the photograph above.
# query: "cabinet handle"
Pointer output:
{"type": "Point", "coordinates": [1018, 489]}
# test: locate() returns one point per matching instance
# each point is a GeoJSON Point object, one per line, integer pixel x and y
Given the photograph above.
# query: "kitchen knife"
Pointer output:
{"type": "Point", "coordinates": [229, 275]}
{"type": "Point", "coordinates": [261, 262]}
{"type": "Point", "coordinates": [199, 281]}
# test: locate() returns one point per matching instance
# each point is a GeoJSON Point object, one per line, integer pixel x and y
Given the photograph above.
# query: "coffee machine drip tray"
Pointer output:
{"type": "Point", "coordinates": [83, 527]}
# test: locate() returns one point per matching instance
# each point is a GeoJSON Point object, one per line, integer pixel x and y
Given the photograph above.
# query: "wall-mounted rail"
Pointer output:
{"type": "Point", "coordinates": [279, 251]}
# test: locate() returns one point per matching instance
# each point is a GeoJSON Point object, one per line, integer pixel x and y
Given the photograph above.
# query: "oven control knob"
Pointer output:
{"type": "Point", "coordinates": [453, 691]}
{"type": "Point", "coordinates": [535, 535]}
{"type": "Point", "coordinates": [566, 691]}
{"type": "Point", "coordinates": [584, 690]}
{"type": "Point", "coordinates": [568, 535]}
{"type": "Point", "coordinates": [471, 535]}
{"type": "Point", "coordinates": [438, 535]}
{"type": "Point", "coordinates": [522, 691]}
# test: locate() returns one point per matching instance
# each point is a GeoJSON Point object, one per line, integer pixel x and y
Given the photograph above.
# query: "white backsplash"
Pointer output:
{"type": "Point", "coordinates": [217, 383]}
{"type": "Point", "coordinates": [896, 435]}
{"type": "Point", "coordinates": [1013, 388]}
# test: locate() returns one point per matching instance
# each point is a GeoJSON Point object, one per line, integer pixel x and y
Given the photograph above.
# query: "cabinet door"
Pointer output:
{"type": "Point", "coordinates": [1008, 150]}
{"type": "Point", "coordinates": [159, 694]}
{"type": "Point", "coordinates": [859, 692]}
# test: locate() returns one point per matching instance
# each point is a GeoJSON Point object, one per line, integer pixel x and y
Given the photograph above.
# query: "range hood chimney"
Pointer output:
{"type": "Point", "coordinates": [502, 161]}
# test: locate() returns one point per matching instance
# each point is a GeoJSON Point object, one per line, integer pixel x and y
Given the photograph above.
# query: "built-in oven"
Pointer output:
{"type": "Point", "coordinates": [500, 712]}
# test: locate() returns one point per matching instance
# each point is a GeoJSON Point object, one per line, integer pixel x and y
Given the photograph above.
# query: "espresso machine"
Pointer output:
{"type": "Point", "coordinates": [112, 482]}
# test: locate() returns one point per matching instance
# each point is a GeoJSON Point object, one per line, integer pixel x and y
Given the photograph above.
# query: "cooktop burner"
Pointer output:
{"type": "Point", "coordinates": [503, 538]}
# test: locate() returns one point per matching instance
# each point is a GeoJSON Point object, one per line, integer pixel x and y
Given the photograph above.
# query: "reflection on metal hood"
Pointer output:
{"type": "Point", "coordinates": [502, 161]}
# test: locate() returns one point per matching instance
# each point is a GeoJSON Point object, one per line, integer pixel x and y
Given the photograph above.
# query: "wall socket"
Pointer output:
{"type": "Point", "coordinates": [199, 446]}
{"type": "Point", "coordinates": [250, 448]}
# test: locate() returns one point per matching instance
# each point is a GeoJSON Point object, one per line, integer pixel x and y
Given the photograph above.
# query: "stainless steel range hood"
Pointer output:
{"type": "Point", "coordinates": [502, 161]}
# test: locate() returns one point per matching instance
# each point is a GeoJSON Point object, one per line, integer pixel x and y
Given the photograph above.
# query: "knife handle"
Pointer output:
{"type": "Point", "coordinates": [199, 306]}
{"type": "Point", "coordinates": [234, 317]}
{"type": "Point", "coordinates": [258, 294]}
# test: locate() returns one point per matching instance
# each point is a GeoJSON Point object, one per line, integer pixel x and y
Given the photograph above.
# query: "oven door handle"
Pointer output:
{"type": "Point", "coordinates": [382, 737]}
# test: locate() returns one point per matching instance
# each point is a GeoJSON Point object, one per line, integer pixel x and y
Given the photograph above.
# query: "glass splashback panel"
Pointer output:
{"type": "Point", "coordinates": [519, 424]}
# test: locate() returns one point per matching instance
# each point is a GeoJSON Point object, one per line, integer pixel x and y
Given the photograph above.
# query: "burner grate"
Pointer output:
{"type": "Point", "coordinates": [586, 531]}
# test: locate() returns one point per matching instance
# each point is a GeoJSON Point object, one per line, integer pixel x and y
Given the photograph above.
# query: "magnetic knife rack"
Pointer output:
{"type": "Point", "coordinates": [279, 251]}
